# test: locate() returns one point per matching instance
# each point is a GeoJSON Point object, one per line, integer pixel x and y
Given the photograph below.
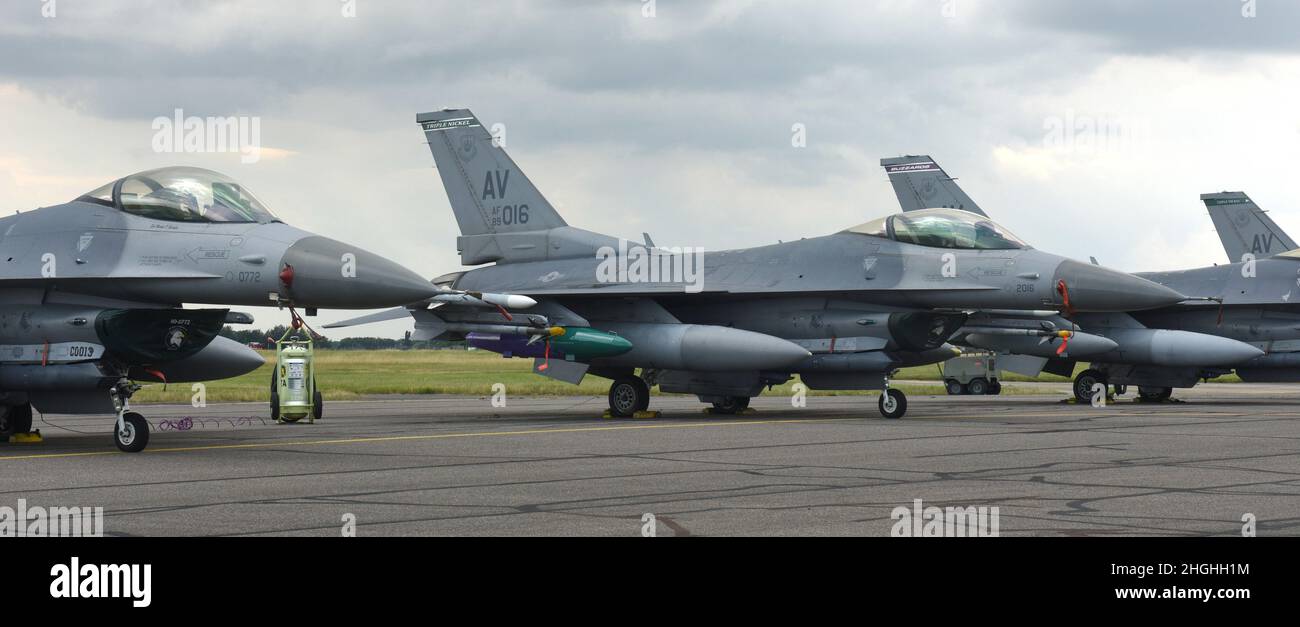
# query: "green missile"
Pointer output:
{"type": "Point", "coordinates": [584, 343]}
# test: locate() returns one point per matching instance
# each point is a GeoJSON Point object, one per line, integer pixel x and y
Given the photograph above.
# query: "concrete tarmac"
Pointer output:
{"type": "Point", "coordinates": [456, 465]}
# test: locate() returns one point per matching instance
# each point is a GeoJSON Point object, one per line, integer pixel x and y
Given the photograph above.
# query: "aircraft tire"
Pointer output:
{"type": "Point", "coordinates": [732, 405]}
{"type": "Point", "coordinates": [135, 433]}
{"type": "Point", "coordinates": [1084, 382]}
{"type": "Point", "coordinates": [894, 406]}
{"type": "Point", "coordinates": [16, 419]}
{"type": "Point", "coordinates": [627, 395]}
{"type": "Point", "coordinates": [644, 403]}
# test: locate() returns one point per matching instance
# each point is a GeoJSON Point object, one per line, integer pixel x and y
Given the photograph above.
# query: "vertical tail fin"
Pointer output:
{"type": "Point", "coordinates": [501, 214]}
{"type": "Point", "coordinates": [920, 183]}
{"type": "Point", "coordinates": [1244, 228]}
{"type": "Point", "coordinates": [487, 190]}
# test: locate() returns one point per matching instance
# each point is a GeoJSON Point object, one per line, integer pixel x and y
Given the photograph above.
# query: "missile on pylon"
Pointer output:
{"type": "Point", "coordinates": [1041, 343]}
{"type": "Point", "coordinates": [575, 343]}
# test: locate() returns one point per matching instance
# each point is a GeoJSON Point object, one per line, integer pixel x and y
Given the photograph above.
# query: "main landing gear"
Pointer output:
{"type": "Point", "coordinates": [1084, 383]}
{"type": "Point", "coordinates": [1086, 380]}
{"type": "Point", "coordinates": [731, 405]}
{"type": "Point", "coordinates": [15, 420]}
{"type": "Point", "coordinates": [131, 433]}
{"type": "Point", "coordinates": [1154, 394]}
{"type": "Point", "coordinates": [628, 395]}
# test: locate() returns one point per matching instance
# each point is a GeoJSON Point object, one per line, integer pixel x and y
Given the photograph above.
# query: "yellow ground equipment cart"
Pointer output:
{"type": "Point", "coordinates": [294, 395]}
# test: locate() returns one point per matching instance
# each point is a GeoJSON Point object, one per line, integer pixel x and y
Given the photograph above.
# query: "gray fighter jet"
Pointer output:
{"type": "Point", "coordinates": [843, 310]}
{"type": "Point", "coordinates": [1249, 322]}
{"type": "Point", "coordinates": [92, 291]}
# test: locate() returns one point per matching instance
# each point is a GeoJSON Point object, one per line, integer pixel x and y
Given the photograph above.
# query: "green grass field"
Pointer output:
{"type": "Point", "coordinates": [344, 374]}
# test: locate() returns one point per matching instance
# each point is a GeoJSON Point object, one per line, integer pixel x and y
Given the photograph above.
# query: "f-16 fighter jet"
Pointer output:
{"type": "Point", "coordinates": [1248, 320]}
{"type": "Point", "coordinates": [843, 311]}
{"type": "Point", "coordinates": [91, 291]}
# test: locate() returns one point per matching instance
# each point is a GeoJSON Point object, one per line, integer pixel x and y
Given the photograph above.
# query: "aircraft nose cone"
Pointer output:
{"type": "Point", "coordinates": [320, 272]}
{"type": "Point", "coordinates": [1094, 288]}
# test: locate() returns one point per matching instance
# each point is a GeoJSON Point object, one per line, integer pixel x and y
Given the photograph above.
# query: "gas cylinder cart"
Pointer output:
{"type": "Point", "coordinates": [294, 394]}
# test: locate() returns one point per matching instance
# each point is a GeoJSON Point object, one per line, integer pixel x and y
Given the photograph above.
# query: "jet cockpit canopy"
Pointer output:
{"type": "Point", "coordinates": [182, 194]}
{"type": "Point", "coordinates": [942, 228]}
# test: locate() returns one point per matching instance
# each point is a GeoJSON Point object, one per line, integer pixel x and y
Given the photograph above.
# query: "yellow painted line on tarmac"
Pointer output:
{"type": "Point", "coordinates": [437, 436]}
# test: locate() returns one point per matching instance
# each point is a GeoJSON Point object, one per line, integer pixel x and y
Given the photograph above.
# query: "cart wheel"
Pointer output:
{"type": "Point", "coordinates": [317, 405]}
{"type": "Point", "coordinates": [275, 398]}
{"type": "Point", "coordinates": [995, 387]}
{"type": "Point", "coordinates": [954, 387]}
{"type": "Point", "coordinates": [978, 386]}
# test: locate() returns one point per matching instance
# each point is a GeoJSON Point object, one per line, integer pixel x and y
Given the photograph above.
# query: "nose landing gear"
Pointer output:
{"type": "Point", "coordinates": [131, 432]}
{"type": "Point", "coordinates": [892, 403]}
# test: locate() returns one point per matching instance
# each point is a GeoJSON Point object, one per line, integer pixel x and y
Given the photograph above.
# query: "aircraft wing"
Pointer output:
{"type": "Point", "coordinates": [650, 292]}
{"type": "Point", "coordinates": [396, 313]}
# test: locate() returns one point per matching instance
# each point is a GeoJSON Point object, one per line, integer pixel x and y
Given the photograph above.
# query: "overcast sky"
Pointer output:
{"type": "Point", "coordinates": [680, 124]}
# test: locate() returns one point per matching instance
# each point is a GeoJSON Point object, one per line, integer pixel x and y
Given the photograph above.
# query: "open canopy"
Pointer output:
{"type": "Point", "coordinates": [182, 194]}
{"type": "Point", "coordinates": [942, 228]}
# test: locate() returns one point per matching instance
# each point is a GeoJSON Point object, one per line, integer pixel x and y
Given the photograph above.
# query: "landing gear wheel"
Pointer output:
{"type": "Point", "coordinates": [1155, 395]}
{"type": "Point", "coordinates": [644, 403]}
{"type": "Point", "coordinates": [1084, 382]}
{"type": "Point", "coordinates": [954, 387]}
{"type": "Point", "coordinates": [317, 405]}
{"type": "Point", "coordinates": [892, 403]}
{"type": "Point", "coordinates": [731, 405]}
{"type": "Point", "coordinates": [978, 386]}
{"type": "Point", "coordinates": [16, 419]}
{"type": "Point", "coordinates": [133, 436]}
{"type": "Point", "coordinates": [628, 395]}
{"type": "Point", "coordinates": [995, 387]}
{"type": "Point", "coordinates": [275, 398]}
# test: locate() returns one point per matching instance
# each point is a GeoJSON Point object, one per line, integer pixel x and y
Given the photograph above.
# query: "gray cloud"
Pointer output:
{"type": "Point", "coordinates": [680, 124]}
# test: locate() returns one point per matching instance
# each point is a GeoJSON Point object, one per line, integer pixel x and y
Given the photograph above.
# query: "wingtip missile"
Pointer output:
{"type": "Point", "coordinates": [485, 299]}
